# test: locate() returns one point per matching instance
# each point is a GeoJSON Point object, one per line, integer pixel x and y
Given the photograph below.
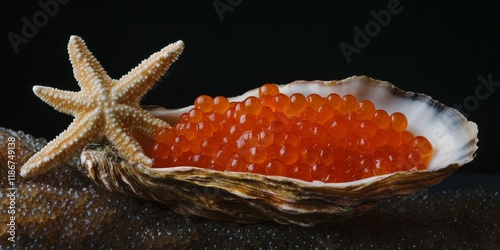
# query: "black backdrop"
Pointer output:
{"type": "Point", "coordinates": [437, 48]}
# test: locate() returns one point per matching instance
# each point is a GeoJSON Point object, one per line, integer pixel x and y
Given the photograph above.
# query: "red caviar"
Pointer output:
{"type": "Point", "coordinates": [329, 139]}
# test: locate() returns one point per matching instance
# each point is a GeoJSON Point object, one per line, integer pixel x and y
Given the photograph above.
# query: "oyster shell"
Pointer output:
{"type": "Point", "coordinates": [247, 197]}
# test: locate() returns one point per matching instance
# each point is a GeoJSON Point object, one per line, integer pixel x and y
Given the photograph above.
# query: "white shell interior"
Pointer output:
{"type": "Point", "coordinates": [452, 136]}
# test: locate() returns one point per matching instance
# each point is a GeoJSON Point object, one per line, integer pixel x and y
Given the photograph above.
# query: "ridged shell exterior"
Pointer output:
{"type": "Point", "coordinates": [246, 197]}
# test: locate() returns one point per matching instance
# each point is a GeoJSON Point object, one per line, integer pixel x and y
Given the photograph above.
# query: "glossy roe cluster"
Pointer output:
{"type": "Point", "coordinates": [329, 139]}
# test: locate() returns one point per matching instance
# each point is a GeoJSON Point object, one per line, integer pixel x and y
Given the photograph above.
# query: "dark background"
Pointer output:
{"type": "Point", "coordinates": [431, 47]}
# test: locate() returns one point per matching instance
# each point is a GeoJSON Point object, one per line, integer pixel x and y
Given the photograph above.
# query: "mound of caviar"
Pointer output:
{"type": "Point", "coordinates": [329, 139]}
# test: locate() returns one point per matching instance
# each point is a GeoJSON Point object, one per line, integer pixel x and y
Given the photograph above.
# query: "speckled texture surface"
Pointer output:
{"type": "Point", "coordinates": [63, 209]}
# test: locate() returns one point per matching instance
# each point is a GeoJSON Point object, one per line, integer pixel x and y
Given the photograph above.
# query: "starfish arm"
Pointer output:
{"type": "Point", "coordinates": [66, 145]}
{"type": "Point", "coordinates": [139, 120]}
{"type": "Point", "coordinates": [87, 70]}
{"type": "Point", "coordinates": [64, 101]}
{"type": "Point", "coordinates": [127, 146]}
{"type": "Point", "coordinates": [132, 86]}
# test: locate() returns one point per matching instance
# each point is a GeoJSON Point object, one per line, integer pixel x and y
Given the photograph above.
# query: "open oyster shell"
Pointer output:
{"type": "Point", "coordinates": [247, 197]}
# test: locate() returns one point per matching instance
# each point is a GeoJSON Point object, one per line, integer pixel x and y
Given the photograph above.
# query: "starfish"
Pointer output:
{"type": "Point", "coordinates": [104, 108]}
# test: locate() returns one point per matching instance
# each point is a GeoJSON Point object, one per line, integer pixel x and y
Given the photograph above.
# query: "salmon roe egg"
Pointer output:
{"type": "Point", "coordinates": [349, 103]}
{"type": "Point", "coordinates": [220, 104]}
{"type": "Point", "coordinates": [204, 103]}
{"type": "Point", "coordinates": [268, 89]}
{"type": "Point", "coordinates": [366, 109]}
{"type": "Point", "coordinates": [252, 105]}
{"type": "Point", "coordinates": [382, 119]}
{"type": "Point", "coordinates": [398, 121]}
{"type": "Point", "coordinates": [314, 100]}
{"type": "Point", "coordinates": [281, 102]}
{"type": "Point", "coordinates": [329, 139]}
{"type": "Point", "coordinates": [334, 101]}
{"type": "Point", "coordinates": [195, 115]}
{"type": "Point", "coordinates": [297, 103]}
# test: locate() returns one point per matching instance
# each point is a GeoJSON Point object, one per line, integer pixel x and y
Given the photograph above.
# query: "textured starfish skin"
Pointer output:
{"type": "Point", "coordinates": [104, 108]}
